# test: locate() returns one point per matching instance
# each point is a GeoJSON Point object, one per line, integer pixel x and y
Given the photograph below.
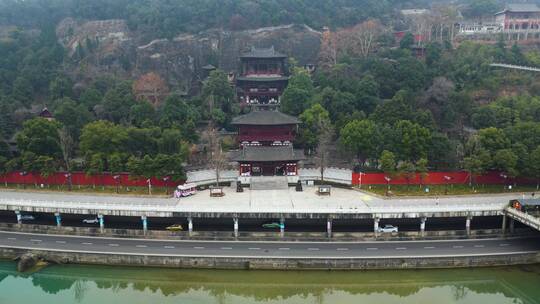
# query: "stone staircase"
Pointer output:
{"type": "Point", "coordinates": [269, 183]}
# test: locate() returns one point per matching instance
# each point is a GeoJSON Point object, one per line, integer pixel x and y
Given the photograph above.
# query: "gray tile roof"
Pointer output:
{"type": "Point", "coordinates": [267, 153]}
{"type": "Point", "coordinates": [263, 79]}
{"type": "Point", "coordinates": [265, 118]}
{"type": "Point", "coordinates": [520, 8]}
{"type": "Point", "coordinates": [263, 53]}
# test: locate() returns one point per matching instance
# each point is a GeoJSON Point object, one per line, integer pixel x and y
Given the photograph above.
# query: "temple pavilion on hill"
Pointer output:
{"type": "Point", "coordinates": [265, 140]}
{"type": "Point", "coordinates": [263, 77]}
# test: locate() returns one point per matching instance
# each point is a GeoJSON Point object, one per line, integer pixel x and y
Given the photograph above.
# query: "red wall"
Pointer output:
{"type": "Point", "coordinates": [438, 178]}
{"type": "Point", "coordinates": [80, 178]}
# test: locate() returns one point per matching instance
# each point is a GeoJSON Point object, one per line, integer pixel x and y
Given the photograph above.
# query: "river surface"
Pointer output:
{"type": "Point", "coordinates": [119, 285]}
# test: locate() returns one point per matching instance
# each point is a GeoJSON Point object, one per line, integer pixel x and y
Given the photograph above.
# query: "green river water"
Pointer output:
{"type": "Point", "coordinates": [119, 285]}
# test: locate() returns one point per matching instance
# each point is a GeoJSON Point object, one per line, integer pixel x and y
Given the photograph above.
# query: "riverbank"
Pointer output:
{"type": "Point", "coordinates": [269, 263]}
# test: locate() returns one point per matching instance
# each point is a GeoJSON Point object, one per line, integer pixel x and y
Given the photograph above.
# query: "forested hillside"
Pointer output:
{"type": "Point", "coordinates": [169, 18]}
{"type": "Point", "coordinates": [388, 108]}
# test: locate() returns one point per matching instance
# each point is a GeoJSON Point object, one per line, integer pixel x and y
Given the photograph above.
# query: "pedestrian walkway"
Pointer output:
{"type": "Point", "coordinates": [269, 183]}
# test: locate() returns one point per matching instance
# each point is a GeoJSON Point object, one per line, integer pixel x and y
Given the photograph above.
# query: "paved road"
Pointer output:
{"type": "Point", "coordinates": [335, 250]}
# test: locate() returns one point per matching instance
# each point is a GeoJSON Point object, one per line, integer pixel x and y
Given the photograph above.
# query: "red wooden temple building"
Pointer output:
{"type": "Point", "coordinates": [262, 78]}
{"type": "Point", "coordinates": [265, 140]}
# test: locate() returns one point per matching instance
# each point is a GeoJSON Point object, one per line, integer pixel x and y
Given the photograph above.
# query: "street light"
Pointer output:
{"type": "Point", "coordinates": [117, 180]}
{"type": "Point", "coordinates": [23, 174]}
{"type": "Point", "coordinates": [148, 181]}
{"type": "Point", "coordinates": [388, 179]}
{"type": "Point", "coordinates": [68, 180]}
{"type": "Point", "coordinates": [165, 180]}
{"type": "Point", "coordinates": [360, 180]}
{"type": "Point", "coordinates": [505, 177]}
{"type": "Point", "coordinates": [447, 179]}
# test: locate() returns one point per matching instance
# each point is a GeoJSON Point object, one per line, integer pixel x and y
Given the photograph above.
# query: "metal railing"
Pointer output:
{"type": "Point", "coordinates": [515, 67]}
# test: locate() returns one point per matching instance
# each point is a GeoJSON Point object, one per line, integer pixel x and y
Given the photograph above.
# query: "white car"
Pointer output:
{"type": "Point", "coordinates": [91, 221]}
{"type": "Point", "coordinates": [27, 217]}
{"type": "Point", "coordinates": [387, 229]}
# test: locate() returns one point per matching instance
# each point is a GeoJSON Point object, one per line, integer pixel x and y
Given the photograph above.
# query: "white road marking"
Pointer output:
{"type": "Point", "coordinates": [61, 242]}
{"type": "Point", "coordinates": [113, 245]}
{"type": "Point", "coordinates": [13, 239]}
{"type": "Point", "coordinates": [371, 248]}
{"type": "Point", "coordinates": [342, 249]}
{"type": "Point", "coordinates": [198, 247]}
{"type": "Point", "coordinates": [254, 248]}
{"type": "Point", "coordinates": [168, 247]}
{"type": "Point", "coordinates": [479, 246]}
{"type": "Point", "coordinates": [313, 249]}
{"type": "Point", "coordinates": [401, 248]}
{"type": "Point", "coordinates": [457, 246]}
{"type": "Point", "coordinates": [226, 248]}
{"type": "Point", "coordinates": [86, 243]}
{"type": "Point", "coordinates": [141, 246]}
{"type": "Point", "coordinates": [429, 247]}
{"type": "Point", "coordinates": [284, 248]}
{"type": "Point", "coordinates": [32, 240]}
{"type": "Point", "coordinates": [504, 245]}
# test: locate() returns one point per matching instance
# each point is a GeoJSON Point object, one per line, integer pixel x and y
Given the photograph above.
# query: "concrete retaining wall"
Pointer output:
{"type": "Point", "coordinates": [284, 264]}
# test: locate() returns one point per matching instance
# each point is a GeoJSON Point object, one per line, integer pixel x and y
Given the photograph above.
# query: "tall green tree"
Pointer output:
{"type": "Point", "coordinates": [95, 166]}
{"type": "Point", "coordinates": [314, 120]}
{"type": "Point", "coordinates": [406, 170]}
{"type": "Point", "coordinates": [535, 165]}
{"type": "Point", "coordinates": [102, 137]}
{"type": "Point", "coordinates": [297, 96]}
{"type": "Point", "coordinates": [217, 92]}
{"type": "Point", "coordinates": [413, 140]}
{"type": "Point", "coordinates": [506, 161]}
{"type": "Point", "coordinates": [360, 137]}
{"type": "Point", "coordinates": [39, 136]}
{"type": "Point", "coordinates": [74, 117]}
{"type": "Point", "coordinates": [46, 166]}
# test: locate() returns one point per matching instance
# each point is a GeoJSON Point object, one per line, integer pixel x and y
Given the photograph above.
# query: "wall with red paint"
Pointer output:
{"type": "Point", "coordinates": [439, 178]}
{"type": "Point", "coordinates": [80, 178]}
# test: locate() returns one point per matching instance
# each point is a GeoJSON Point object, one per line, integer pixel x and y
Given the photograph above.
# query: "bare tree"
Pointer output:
{"type": "Point", "coordinates": [67, 146]}
{"type": "Point", "coordinates": [326, 134]}
{"type": "Point", "coordinates": [216, 158]}
{"type": "Point", "coordinates": [329, 48]}
{"type": "Point", "coordinates": [360, 40]}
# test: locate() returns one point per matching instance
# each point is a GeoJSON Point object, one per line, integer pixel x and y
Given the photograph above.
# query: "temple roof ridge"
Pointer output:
{"type": "Point", "coordinates": [262, 53]}
{"type": "Point", "coordinates": [266, 118]}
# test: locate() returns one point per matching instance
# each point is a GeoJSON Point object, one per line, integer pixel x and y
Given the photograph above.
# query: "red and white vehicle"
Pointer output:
{"type": "Point", "coordinates": [185, 190]}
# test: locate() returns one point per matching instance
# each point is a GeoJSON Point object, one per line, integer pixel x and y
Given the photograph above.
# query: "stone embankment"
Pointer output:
{"type": "Point", "coordinates": [281, 264]}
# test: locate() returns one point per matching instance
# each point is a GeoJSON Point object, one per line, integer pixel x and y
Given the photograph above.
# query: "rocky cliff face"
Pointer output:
{"type": "Point", "coordinates": [108, 46]}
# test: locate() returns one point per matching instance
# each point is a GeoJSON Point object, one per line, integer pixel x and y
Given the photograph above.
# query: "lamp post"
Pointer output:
{"type": "Point", "coordinates": [68, 180]}
{"type": "Point", "coordinates": [149, 186]}
{"type": "Point", "coordinates": [166, 181]}
{"type": "Point", "coordinates": [447, 179]}
{"type": "Point", "coordinates": [360, 180]}
{"type": "Point", "coordinates": [117, 181]}
{"type": "Point", "coordinates": [23, 174]}
{"type": "Point", "coordinates": [388, 179]}
{"type": "Point", "coordinates": [505, 177]}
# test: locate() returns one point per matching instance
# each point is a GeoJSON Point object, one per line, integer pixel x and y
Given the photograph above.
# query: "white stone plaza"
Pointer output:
{"type": "Point", "coordinates": [288, 200]}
